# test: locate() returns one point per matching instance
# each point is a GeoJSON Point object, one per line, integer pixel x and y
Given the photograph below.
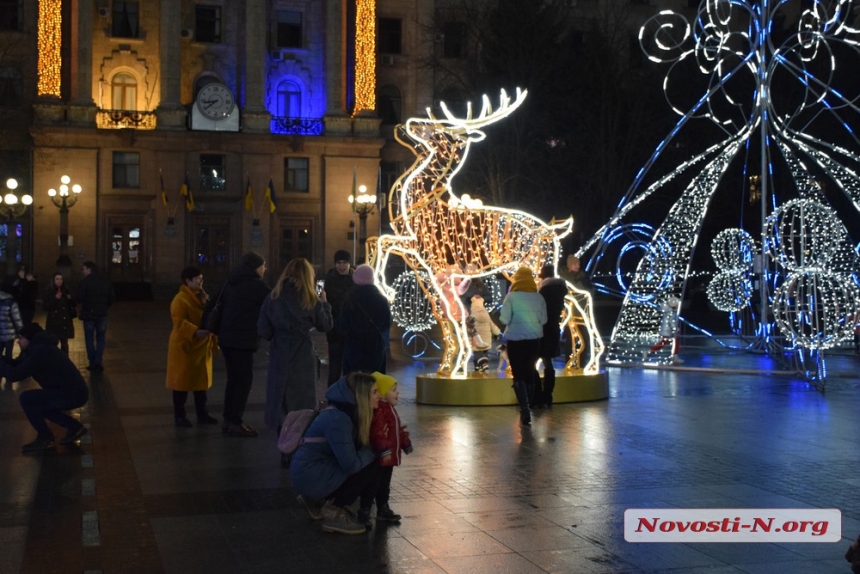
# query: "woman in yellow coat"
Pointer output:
{"type": "Point", "coordinates": [189, 354]}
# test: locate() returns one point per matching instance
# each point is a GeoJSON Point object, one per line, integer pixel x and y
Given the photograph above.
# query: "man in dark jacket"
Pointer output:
{"type": "Point", "coordinates": [553, 290]}
{"type": "Point", "coordinates": [63, 387]}
{"type": "Point", "coordinates": [338, 283]}
{"type": "Point", "coordinates": [242, 298]}
{"type": "Point", "coordinates": [95, 295]}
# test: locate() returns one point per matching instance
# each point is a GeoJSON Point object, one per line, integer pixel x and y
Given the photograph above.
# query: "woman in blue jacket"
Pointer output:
{"type": "Point", "coordinates": [336, 464]}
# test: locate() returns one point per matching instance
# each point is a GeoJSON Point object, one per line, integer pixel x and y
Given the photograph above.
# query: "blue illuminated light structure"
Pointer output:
{"type": "Point", "coordinates": [771, 79]}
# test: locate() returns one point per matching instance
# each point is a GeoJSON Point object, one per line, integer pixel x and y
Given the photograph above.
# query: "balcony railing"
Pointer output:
{"type": "Point", "coordinates": [125, 119]}
{"type": "Point", "coordinates": [298, 126]}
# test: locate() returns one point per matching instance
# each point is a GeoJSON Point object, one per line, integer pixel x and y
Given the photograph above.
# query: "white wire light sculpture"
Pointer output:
{"type": "Point", "coordinates": [778, 82]}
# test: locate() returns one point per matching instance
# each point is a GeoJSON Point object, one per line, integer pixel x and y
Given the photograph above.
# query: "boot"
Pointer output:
{"type": "Point", "coordinates": [522, 393]}
{"type": "Point", "coordinates": [548, 386]}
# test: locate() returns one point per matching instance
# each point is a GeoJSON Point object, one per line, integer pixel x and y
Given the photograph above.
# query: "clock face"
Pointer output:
{"type": "Point", "coordinates": [215, 101]}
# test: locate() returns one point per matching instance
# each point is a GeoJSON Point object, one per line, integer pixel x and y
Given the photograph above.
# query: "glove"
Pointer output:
{"type": "Point", "coordinates": [408, 449]}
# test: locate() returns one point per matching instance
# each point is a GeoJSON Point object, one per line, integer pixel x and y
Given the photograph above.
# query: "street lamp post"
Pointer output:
{"type": "Point", "coordinates": [13, 206]}
{"type": "Point", "coordinates": [65, 200]}
{"type": "Point", "coordinates": [363, 205]}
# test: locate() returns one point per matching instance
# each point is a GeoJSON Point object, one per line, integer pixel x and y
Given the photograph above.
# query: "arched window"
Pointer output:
{"type": "Point", "coordinates": [289, 100]}
{"type": "Point", "coordinates": [388, 105]}
{"type": "Point", "coordinates": [123, 92]}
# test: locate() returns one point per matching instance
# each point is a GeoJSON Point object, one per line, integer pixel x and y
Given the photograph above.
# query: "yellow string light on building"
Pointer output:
{"type": "Point", "coordinates": [365, 56]}
{"type": "Point", "coordinates": [49, 43]}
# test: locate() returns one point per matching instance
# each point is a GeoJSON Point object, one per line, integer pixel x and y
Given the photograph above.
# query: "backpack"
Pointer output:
{"type": "Point", "coordinates": [293, 429]}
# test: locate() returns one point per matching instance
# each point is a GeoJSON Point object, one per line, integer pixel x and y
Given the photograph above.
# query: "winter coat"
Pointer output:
{"type": "Point", "coordinates": [553, 290]}
{"type": "Point", "coordinates": [10, 317]}
{"type": "Point", "coordinates": [292, 359]}
{"type": "Point", "coordinates": [318, 469]}
{"type": "Point", "coordinates": [59, 313]}
{"type": "Point", "coordinates": [25, 292]}
{"type": "Point", "coordinates": [524, 313]}
{"type": "Point", "coordinates": [387, 437]}
{"type": "Point", "coordinates": [48, 365]}
{"type": "Point", "coordinates": [95, 295]}
{"type": "Point", "coordinates": [337, 287]}
{"type": "Point", "coordinates": [668, 320]}
{"type": "Point", "coordinates": [242, 298]}
{"type": "Point", "coordinates": [364, 321]}
{"type": "Point", "coordinates": [189, 359]}
{"type": "Point", "coordinates": [483, 323]}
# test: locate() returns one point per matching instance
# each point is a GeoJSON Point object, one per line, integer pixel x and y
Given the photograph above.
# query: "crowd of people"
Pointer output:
{"type": "Point", "coordinates": [353, 444]}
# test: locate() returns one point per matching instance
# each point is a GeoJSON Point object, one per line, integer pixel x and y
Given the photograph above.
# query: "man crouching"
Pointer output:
{"type": "Point", "coordinates": [63, 387]}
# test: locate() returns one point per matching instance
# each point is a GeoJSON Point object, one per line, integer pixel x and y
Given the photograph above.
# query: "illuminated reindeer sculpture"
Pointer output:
{"type": "Point", "coordinates": [453, 238]}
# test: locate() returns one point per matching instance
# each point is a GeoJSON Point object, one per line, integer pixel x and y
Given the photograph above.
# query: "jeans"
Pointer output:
{"type": "Point", "coordinates": [240, 376]}
{"type": "Point", "coordinates": [6, 348]}
{"type": "Point", "coordinates": [179, 399]}
{"type": "Point", "coordinates": [41, 404]}
{"type": "Point", "coordinates": [94, 336]}
{"type": "Point", "coordinates": [363, 483]}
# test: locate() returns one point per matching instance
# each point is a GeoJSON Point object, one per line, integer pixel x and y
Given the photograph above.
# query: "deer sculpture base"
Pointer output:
{"type": "Point", "coordinates": [493, 388]}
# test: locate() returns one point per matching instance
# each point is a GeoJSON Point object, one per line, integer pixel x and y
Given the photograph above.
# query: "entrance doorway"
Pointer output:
{"type": "Point", "coordinates": [211, 243]}
{"type": "Point", "coordinates": [127, 244]}
{"type": "Point", "coordinates": [295, 240]}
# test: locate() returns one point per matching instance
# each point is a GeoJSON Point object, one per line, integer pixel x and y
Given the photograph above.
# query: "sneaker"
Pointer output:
{"type": "Point", "coordinates": [676, 360]}
{"type": "Point", "coordinates": [385, 513]}
{"type": "Point", "coordinates": [363, 518]}
{"type": "Point", "coordinates": [337, 520]}
{"type": "Point", "coordinates": [206, 419]}
{"type": "Point", "coordinates": [241, 430]}
{"type": "Point", "coordinates": [38, 445]}
{"type": "Point", "coordinates": [182, 422]}
{"type": "Point", "coordinates": [312, 506]}
{"type": "Point", "coordinates": [73, 434]}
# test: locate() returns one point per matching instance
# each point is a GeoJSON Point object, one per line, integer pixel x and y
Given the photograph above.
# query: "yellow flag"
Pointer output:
{"type": "Point", "coordinates": [185, 190]}
{"type": "Point", "coordinates": [270, 197]}
{"type": "Point", "coordinates": [249, 197]}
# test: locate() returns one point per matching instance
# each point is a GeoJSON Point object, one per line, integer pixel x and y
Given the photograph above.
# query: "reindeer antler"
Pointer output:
{"type": "Point", "coordinates": [487, 116]}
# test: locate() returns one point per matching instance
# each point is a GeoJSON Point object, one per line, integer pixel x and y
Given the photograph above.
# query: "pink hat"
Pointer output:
{"type": "Point", "coordinates": [363, 275]}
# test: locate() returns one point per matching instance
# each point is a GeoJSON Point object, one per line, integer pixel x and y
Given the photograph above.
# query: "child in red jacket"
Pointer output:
{"type": "Point", "coordinates": [388, 437]}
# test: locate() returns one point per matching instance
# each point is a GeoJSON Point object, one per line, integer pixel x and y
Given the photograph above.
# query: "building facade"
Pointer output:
{"type": "Point", "coordinates": [167, 112]}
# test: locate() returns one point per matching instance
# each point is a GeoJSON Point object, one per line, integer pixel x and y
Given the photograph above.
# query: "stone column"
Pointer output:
{"type": "Point", "coordinates": [255, 117]}
{"type": "Point", "coordinates": [81, 109]}
{"type": "Point", "coordinates": [170, 111]}
{"type": "Point", "coordinates": [336, 119]}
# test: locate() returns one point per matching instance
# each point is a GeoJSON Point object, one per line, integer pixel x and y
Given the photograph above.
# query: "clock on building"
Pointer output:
{"type": "Point", "coordinates": [215, 101]}
{"type": "Point", "coordinates": [215, 109]}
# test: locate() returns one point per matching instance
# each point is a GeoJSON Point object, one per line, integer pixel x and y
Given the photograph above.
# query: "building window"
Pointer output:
{"type": "Point", "coordinates": [10, 14]}
{"type": "Point", "coordinates": [454, 44]}
{"type": "Point", "coordinates": [212, 172]}
{"type": "Point", "coordinates": [125, 20]}
{"type": "Point", "coordinates": [388, 104]}
{"type": "Point", "coordinates": [289, 29]}
{"type": "Point", "coordinates": [11, 88]}
{"type": "Point", "coordinates": [207, 24]}
{"type": "Point", "coordinates": [126, 169]}
{"type": "Point", "coordinates": [390, 36]}
{"type": "Point", "coordinates": [289, 100]}
{"type": "Point", "coordinates": [123, 92]}
{"type": "Point", "coordinates": [296, 174]}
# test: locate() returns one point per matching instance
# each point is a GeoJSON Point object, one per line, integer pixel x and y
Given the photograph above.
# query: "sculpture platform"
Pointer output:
{"type": "Point", "coordinates": [494, 388]}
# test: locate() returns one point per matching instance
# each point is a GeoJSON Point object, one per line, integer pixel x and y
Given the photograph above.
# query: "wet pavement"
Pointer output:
{"type": "Point", "coordinates": [478, 495]}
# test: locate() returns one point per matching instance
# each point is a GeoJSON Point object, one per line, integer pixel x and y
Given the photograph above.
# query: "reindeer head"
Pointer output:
{"type": "Point", "coordinates": [467, 129]}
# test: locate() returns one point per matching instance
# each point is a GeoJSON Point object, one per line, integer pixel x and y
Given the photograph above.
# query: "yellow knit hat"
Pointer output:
{"type": "Point", "coordinates": [384, 383]}
{"type": "Point", "coordinates": [524, 280]}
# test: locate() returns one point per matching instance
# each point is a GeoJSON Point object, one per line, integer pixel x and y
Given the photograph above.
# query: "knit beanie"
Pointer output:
{"type": "Point", "coordinates": [384, 383]}
{"type": "Point", "coordinates": [523, 280]}
{"type": "Point", "coordinates": [29, 331]}
{"type": "Point", "coordinates": [342, 255]}
{"type": "Point", "coordinates": [363, 275]}
{"type": "Point", "coordinates": [252, 260]}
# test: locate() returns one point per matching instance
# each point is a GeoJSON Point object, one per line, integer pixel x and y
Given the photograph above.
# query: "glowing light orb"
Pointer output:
{"type": "Point", "coordinates": [815, 309]}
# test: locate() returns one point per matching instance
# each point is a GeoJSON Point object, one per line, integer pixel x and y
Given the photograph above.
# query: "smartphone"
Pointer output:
{"type": "Point", "coordinates": [320, 286]}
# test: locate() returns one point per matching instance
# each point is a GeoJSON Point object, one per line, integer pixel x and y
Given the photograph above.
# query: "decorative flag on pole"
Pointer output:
{"type": "Point", "coordinates": [353, 196]}
{"type": "Point", "coordinates": [163, 191]}
{"type": "Point", "coordinates": [249, 197]}
{"type": "Point", "coordinates": [270, 196]}
{"type": "Point", "coordinates": [185, 191]}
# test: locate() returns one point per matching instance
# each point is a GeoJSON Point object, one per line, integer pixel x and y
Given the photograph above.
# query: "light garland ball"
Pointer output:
{"type": "Point", "coordinates": [815, 309]}
{"type": "Point", "coordinates": [729, 292]}
{"type": "Point", "coordinates": [803, 233]}
{"type": "Point", "coordinates": [733, 250]}
{"type": "Point", "coordinates": [411, 308]}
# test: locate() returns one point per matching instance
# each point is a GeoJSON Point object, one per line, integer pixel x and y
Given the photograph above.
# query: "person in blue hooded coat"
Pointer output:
{"type": "Point", "coordinates": [336, 464]}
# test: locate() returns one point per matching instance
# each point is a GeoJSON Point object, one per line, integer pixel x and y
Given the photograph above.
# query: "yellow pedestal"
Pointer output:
{"type": "Point", "coordinates": [494, 388]}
